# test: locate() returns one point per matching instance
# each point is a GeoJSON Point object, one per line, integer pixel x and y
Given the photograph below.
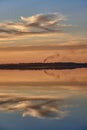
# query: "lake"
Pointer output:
{"type": "Point", "coordinates": [43, 99]}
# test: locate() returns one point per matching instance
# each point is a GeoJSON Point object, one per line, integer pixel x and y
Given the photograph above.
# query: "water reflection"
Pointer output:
{"type": "Point", "coordinates": [43, 97]}
{"type": "Point", "coordinates": [40, 108]}
{"type": "Point", "coordinates": [51, 103]}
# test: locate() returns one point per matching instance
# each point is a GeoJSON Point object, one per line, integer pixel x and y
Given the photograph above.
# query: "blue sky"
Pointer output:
{"type": "Point", "coordinates": [74, 9]}
{"type": "Point", "coordinates": [28, 7]}
{"type": "Point", "coordinates": [10, 9]}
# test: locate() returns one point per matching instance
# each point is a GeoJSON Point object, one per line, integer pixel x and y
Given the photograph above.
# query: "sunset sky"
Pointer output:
{"type": "Point", "coordinates": [41, 32]}
{"type": "Point", "coordinates": [33, 30]}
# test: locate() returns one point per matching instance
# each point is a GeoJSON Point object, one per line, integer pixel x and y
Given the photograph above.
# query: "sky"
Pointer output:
{"type": "Point", "coordinates": [43, 31]}
{"type": "Point", "coordinates": [31, 30]}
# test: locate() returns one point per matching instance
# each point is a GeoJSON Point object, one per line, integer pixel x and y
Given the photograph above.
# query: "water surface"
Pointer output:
{"type": "Point", "coordinates": [43, 99]}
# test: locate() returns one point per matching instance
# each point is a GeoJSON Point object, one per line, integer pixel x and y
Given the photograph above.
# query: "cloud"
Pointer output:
{"type": "Point", "coordinates": [45, 22]}
{"type": "Point", "coordinates": [33, 25]}
{"type": "Point", "coordinates": [40, 108]}
{"type": "Point", "coordinates": [44, 47]}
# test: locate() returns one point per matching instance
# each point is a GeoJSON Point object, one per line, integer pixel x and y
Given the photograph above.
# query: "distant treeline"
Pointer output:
{"type": "Point", "coordinates": [42, 66]}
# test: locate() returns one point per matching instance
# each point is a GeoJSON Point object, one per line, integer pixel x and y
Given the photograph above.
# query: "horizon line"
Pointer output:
{"type": "Point", "coordinates": [42, 66]}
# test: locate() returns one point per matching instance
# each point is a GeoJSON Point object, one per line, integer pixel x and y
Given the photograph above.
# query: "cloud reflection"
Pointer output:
{"type": "Point", "coordinates": [47, 95]}
{"type": "Point", "coordinates": [39, 107]}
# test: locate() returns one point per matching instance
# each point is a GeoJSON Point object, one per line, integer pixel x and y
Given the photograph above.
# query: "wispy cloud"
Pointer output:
{"type": "Point", "coordinates": [33, 25]}
{"type": "Point", "coordinates": [45, 47]}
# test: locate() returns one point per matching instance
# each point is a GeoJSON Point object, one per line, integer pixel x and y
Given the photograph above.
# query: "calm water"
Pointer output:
{"type": "Point", "coordinates": [47, 100]}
